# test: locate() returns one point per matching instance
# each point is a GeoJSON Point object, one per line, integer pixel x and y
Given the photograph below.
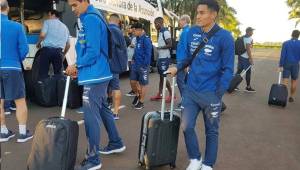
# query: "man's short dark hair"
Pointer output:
{"type": "Point", "coordinates": [159, 20]}
{"type": "Point", "coordinates": [295, 34]}
{"type": "Point", "coordinates": [115, 16]}
{"type": "Point", "coordinates": [138, 26]}
{"type": "Point", "coordinates": [54, 12]}
{"type": "Point", "coordinates": [211, 4]}
{"type": "Point", "coordinates": [84, 0]}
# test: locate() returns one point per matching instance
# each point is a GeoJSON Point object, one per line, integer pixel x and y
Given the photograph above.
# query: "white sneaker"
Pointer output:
{"type": "Point", "coordinates": [195, 164]}
{"type": "Point", "coordinates": [205, 167]}
{"type": "Point", "coordinates": [7, 113]}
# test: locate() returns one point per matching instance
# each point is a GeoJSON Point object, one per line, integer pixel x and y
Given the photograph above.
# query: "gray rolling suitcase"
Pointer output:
{"type": "Point", "coordinates": [236, 80]}
{"type": "Point", "coordinates": [159, 135]}
{"type": "Point", "coordinates": [54, 146]}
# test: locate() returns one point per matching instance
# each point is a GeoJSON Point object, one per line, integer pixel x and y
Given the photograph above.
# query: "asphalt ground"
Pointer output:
{"type": "Point", "coordinates": [253, 135]}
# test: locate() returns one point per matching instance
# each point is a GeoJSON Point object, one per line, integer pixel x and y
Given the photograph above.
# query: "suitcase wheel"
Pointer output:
{"type": "Point", "coordinates": [172, 165]}
{"type": "Point", "coordinates": [140, 164]}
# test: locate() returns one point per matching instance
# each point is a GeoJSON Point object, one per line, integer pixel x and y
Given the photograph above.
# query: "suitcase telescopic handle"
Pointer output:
{"type": "Point", "coordinates": [279, 77]}
{"type": "Point", "coordinates": [163, 103]}
{"type": "Point", "coordinates": [64, 106]}
{"type": "Point", "coordinates": [245, 71]}
{"type": "Point", "coordinates": [173, 98]}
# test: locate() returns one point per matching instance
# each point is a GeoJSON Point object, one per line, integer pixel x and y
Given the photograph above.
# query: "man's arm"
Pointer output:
{"type": "Point", "coordinates": [283, 55]}
{"type": "Point", "coordinates": [67, 47]}
{"type": "Point", "coordinates": [42, 34]}
{"type": "Point", "coordinates": [23, 45]}
{"type": "Point", "coordinates": [93, 30]}
{"type": "Point", "coordinates": [182, 48]}
{"type": "Point", "coordinates": [249, 52]}
{"type": "Point", "coordinates": [227, 57]}
{"type": "Point", "coordinates": [148, 51]}
{"type": "Point", "coordinates": [186, 61]}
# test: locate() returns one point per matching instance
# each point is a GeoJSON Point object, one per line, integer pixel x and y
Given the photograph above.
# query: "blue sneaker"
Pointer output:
{"type": "Point", "coordinates": [111, 150]}
{"type": "Point", "coordinates": [13, 108]}
{"type": "Point", "coordinates": [87, 165]}
{"type": "Point", "coordinates": [24, 138]}
{"type": "Point", "coordinates": [4, 137]}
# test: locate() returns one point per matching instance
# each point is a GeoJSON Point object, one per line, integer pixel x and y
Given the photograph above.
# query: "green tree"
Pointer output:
{"type": "Point", "coordinates": [295, 10]}
{"type": "Point", "coordinates": [227, 18]}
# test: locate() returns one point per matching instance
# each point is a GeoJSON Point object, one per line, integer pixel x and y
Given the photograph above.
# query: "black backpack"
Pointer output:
{"type": "Point", "coordinates": [240, 46]}
{"type": "Point", "coordinates": [173, 43]}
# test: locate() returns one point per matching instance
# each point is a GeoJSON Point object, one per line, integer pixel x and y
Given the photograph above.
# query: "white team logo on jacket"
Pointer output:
{"type": "Point", "coordinates": [208, 50]}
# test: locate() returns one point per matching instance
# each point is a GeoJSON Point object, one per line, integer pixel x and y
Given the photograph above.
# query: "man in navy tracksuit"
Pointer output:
{"type": "Point", "coordinates": [139, 74]}
{"type": "Point", "coordinates": [120, 51]}
{"type": "Point", "coordinates": [14, 49]}
{"type": "Point", "coordinates": [289, 62]}
{"type": "Point", "coordinates": [94, 74]}
{"type": "Point", "coordinates": [209, 76]}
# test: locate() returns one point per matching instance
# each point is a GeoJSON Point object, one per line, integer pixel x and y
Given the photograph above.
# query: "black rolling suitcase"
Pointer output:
{"type": "Point", "coordinates": [278, 94]}
{"type": "Point", "coordinates": [75, 93]}
{"type": "Point", "coordinates": [55, 141]}
{"type": "Point", "coordinates": [31, 76]}
{"type": "Point", "coordinates": [159, 136]}
{"type": "Point", "coordinates": [45, 92]}
{"type": "Point", "coordinates": [236, 81]}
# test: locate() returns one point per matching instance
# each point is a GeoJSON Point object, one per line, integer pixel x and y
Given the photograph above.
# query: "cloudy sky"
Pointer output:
{"type": "Point", "coordinates": [268, 17]}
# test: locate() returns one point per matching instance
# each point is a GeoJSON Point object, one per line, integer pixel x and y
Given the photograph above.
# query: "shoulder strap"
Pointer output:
{"type": "Point", "coordinates": [211, 33]}
{"type": "Point", "coordinates": [163, 35]}
{"type": "Point", "coordinates": [109, 54]}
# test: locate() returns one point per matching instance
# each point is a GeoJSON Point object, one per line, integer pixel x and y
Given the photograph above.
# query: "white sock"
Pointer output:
{"type": "Point", "coordinates": [4, 129]}
{"type": "Point", "coordinates": [22, 129]}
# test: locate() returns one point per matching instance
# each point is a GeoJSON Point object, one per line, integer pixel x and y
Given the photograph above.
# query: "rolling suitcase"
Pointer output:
{"type": "Point", "coordinates": [236, 81]}
{"type": "Point", "coordinates": [75, 93]}
{"type": "Point", "coordinates": [159, 135]}
{"type": "Point", "coordinates": [54, 146]}
{"type": "Point", "coordinates": [278, 94]}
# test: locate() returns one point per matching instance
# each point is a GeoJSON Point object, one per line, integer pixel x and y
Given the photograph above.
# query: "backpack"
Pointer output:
{"type": "Point", "coordinates": [240, 46]}
{"type": "Point", "coordinates": [117, 56]}
{"type": "Point", "coordinates": [119, 59]}
{"type": "Point", "coordinates": [173, 43]}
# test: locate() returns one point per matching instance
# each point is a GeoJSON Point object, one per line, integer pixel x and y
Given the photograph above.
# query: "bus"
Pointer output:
{"type": "Point", "coordinates": [32, 13]}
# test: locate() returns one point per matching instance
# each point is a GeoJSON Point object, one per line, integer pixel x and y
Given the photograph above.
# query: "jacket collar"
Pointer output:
{"type": "Point", "coordinates": [4, 17]}
{"type": "Point", "coordinates": [90, 9]}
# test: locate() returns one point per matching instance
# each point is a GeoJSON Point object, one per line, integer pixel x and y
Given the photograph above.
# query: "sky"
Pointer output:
{"type": "Point", "coordinates": [268, 17]}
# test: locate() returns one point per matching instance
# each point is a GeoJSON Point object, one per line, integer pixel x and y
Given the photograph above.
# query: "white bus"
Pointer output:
{"type": "Point", "coordinates": [33, 13]}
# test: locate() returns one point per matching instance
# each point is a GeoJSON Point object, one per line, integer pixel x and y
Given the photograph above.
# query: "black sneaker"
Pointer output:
{"type": "Point", "coordinates": [179, 107]}
{"type": "Point", "coordinates": [130, 94]}
{"type": "Point", "coordinates": [291, 100]}
{"type": "Point", "coordinates": [250, 90]}
{"type": "Point", "coordinates": [223, 107]}
{"type": "Point", "coordinates": [4, 137]}
{"type": "Point", "coordinates": [135, 101]}
{"type": "Point", "coordinates": [87, 165]}
{"type": "Point", "coordinates": [24, 138]}
{"type": "Point", "coordinates": [139, 106]}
